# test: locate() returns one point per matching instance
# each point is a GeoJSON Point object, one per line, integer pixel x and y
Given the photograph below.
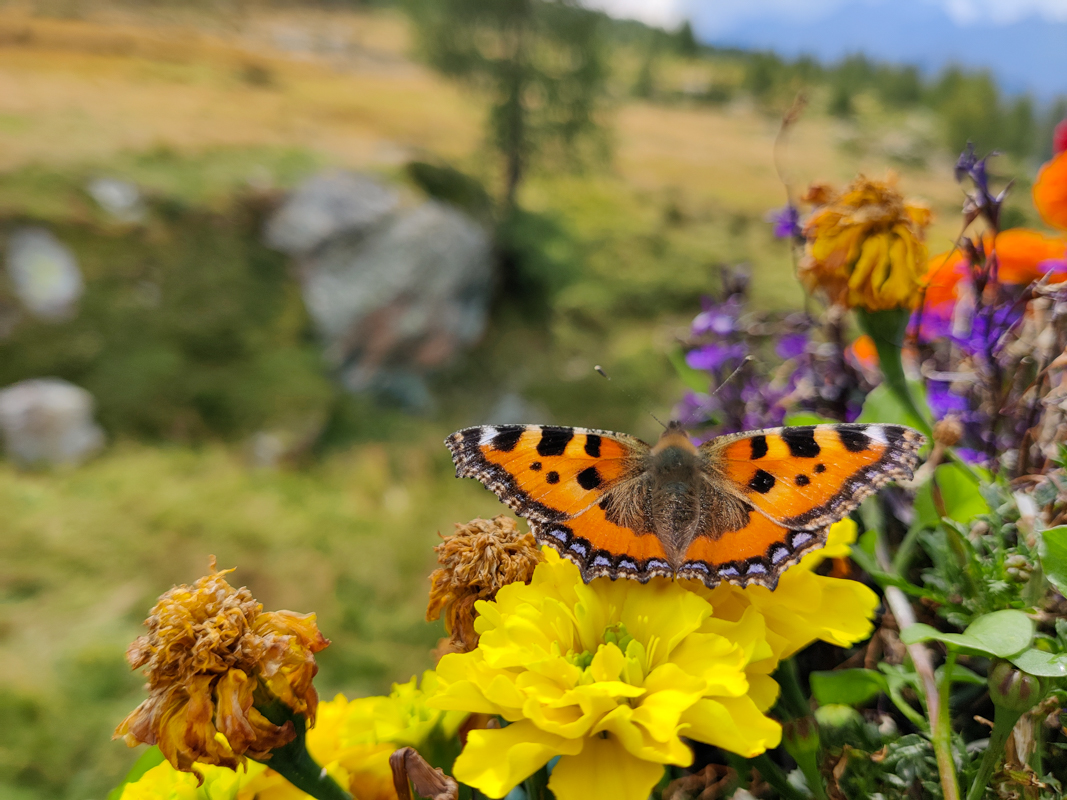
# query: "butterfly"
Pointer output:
{"type": "Point", "coordinates": [740, 508]}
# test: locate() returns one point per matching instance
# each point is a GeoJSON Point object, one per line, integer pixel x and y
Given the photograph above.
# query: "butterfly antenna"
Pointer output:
{"type": "Point", "coordinates": [600, 371]}
{"type": "Point", "coordinates": [733, 374]}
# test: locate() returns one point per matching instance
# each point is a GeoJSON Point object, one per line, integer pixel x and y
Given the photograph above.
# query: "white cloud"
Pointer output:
{"type": "Point", "coordinates": [720, 16]}
{"type": "Point", "coordinates": [662, 13]}
{"type": "Point", "coordinates": [1003, 12]}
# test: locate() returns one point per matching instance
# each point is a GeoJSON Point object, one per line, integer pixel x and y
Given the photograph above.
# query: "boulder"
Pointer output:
{"type": "Point", "coordinates": [44, 273]}
{"type": "Point", "coordinates": [328, 205]}
{"type": "Point", "coordinates": [401, 299]}
{"type": "Point", "coordinates": [48, 422]}
{"type": "Point", "coordinates": [121, 199]}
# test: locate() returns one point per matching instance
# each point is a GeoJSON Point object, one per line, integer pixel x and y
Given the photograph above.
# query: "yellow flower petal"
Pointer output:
{"type": "Point", "coordinates": [735, 724]}
{"type": "Point", "coordinates": [604, 770]}
{"type": "Point", "coordinates": [496, 761]}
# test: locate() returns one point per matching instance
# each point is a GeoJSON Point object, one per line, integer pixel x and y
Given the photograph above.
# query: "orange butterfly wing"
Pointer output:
{"type": "Point", "coordinates": [810, 477]}
{"type": "Point", "coordinates": [555, 476]}
{"type": "Point", "coordinates": [799, 481]}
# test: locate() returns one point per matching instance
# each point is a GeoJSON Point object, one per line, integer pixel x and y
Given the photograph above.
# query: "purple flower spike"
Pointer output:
{"type": "Point", "coordinates": [786, 222]}
{"type": "Point", "coordinates": [711, 357]}
{"type": "Point", "coordinates": [792, 345]}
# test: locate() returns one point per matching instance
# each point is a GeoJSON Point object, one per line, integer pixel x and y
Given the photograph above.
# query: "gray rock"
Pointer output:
{"type": "Point", "coordinates": [403, 298]}
{"type": "Point", "coordinates": [44, 272]}
{"type": "Point", "coordinates": [326, 206]}
{"type": "Point", "coordinates": [48, 422]}
{"type": "Point", "coordinates": [121, 199]}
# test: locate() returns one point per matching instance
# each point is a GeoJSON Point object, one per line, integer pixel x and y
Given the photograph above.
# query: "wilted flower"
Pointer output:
{"type": "Point", "coordinates": [865, 247]}
{"type": "Point", "coordinates": [213, 658]}
{"type": "Point", "coordinates": [610, 675]}
{"type": "Point", "coordinates": [476, 561]}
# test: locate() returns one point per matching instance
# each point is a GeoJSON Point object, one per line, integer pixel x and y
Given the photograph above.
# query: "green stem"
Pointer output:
{"type": "Point", "coordinates": [808, 762]}
{"type": "Point", "coordinates": [886, 329]}
{"type": "Point", "coordinates": [1003, 722]}
{"type": "Point", "coordinates": [293, 761]}
{"type": "Point", "coordinates": [536, 785]}
{"type": "Point", "coordinates": [792, 700]}
{"type": "Point", "coordinates": [773, 774]}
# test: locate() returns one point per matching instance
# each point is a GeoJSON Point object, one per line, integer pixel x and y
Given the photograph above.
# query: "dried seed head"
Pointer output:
{"type": "Point", "coordinates": [476, 561]}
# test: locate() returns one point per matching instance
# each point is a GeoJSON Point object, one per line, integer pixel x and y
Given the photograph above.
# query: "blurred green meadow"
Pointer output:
{"type": "Point", "coordinates": [193, 338]}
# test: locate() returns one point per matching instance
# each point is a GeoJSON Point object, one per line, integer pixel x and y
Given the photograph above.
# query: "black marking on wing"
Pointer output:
{"type": "Point", "coordinates": [801, 442]}
{"type": "Point", "coordinates": [554, 441]}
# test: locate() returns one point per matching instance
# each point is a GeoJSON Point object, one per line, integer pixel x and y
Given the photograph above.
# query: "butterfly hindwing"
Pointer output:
{"type": "Point", "coordinates": [806, 478]}
{"type": "Point", "coordinates": [545, 473]}
{"type": "Point", "coordinates": [602, 548]}
{"type": "Point", "coordinates": [757, 553]}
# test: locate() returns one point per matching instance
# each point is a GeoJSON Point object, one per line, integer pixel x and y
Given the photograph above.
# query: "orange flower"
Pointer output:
{"type": "Point", "coordinates": [211, 657]}
{"type": "Point", "coordinates": [1050, 192]}
{"type": "Point", "coordinates": [863, 354]}
{"type": "Point", "coordinates": [1020, 254]}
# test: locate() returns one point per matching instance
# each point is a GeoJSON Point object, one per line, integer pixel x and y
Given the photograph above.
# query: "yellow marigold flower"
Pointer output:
{"type": "Point", "coordinates": [608, 675]}
{"type": "Point", "coordinates": [865, 247]}
{"type": "Point", "coordinates": [476, 561]}
{"type": "Point", "coordinates": [805, 607]}
{"type": "Point", "coordinates": [353, 740]}
{"type": "Point", "coordinates": [163, 782]}
{"type": "Point", "coordinates": [211, 656]}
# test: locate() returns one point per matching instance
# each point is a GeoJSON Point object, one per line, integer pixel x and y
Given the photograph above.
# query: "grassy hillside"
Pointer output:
{"type": "Point", "coordinates": [201, 110]}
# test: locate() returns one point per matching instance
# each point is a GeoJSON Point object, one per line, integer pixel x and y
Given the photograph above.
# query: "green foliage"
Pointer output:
{"type": "Point", "coordinates": [1053, 549]}
{"type": "Point", "coordinates": [452, 186]}
{"type": "Point", "coordinates": [189, 327]}
{"type": "Point", "coordinates": [540, 60]}
{"type": "Point", "coordinates": [1000, 633]}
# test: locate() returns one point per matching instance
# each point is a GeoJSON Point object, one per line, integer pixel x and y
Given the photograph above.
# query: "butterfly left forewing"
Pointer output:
{"type": "Point", "coordinates": [544, 472]}
{"type": "Point", "coordinates": [806, 478]}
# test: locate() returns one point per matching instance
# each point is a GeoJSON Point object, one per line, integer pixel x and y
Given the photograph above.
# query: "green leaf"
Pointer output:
{"type": "Point", "coordinates": [884, 405]}
{"type": "Point", "coordinates": [1053, 552]}
{"type": "Point", "coordinates": [693, 378]}
{"type": "Point", "coordinates": [961, 495]}
{"type": "Point", "coordinates": [1038, 662]}
{"type": "Point", "coordinates": [151, 757]}
{"type": "Point", "coordinates": [899, 677]}
{"type": "Point", "coordinates": [849, 687]}
{"type": "Point", "coordinates": [960, 674]}
{"type": "Point", "coordinates": [1002, 633]}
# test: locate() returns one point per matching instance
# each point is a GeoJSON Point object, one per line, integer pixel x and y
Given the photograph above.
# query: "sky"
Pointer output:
{"type": "Point", "coordinates": [1023, 42]}
{"type": "Point", "coordinates": [722, 17]}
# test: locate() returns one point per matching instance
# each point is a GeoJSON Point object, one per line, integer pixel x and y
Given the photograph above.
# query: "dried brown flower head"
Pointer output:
{"type": "Point", "coordinates": [865, 246]}
{"type": "Point", "coordinates": [478, 559]}
{"type": "Point", "coordinates": [211, 656]}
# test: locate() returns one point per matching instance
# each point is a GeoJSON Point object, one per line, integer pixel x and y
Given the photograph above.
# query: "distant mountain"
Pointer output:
{"type": "Point", "coordinates": [1026, 56]}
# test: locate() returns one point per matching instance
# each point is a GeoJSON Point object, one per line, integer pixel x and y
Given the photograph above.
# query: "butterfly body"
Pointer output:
{"type": "Point", "coordinates": [739, 508]}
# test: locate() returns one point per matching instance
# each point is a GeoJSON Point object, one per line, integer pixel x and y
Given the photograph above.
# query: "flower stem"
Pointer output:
{"type": "Point", "coordinates": [1003, 722]}
{"type": "Point", "coordinates": [886, 329]}
{"type": "Point", "coordinates": [941, 733]}
{"type": "Point", "coordinates": [294, 763]}
{"type": "Point", "coordinates": [773, 774]}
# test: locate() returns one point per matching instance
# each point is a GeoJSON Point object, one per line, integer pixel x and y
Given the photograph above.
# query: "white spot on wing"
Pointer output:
{"type": "Point", "coordinates": [488, 432]}
{"type": "Point", "coordinates": [876, 433]}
